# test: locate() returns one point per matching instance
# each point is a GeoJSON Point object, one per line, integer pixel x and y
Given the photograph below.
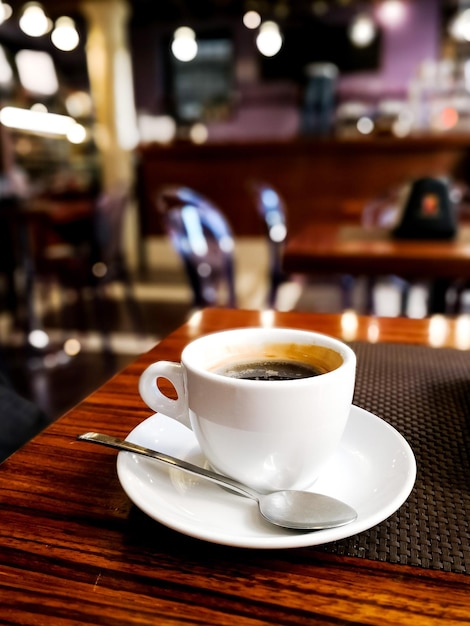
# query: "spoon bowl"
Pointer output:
{"type": "Point", "coordinates": [304, 510]}
{"type": "Point", "coordinates": [299, 510]}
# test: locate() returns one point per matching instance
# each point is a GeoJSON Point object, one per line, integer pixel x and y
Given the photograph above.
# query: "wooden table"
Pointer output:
{"type": "Point", "coordinates": [348, 248]}
{"type": "Point", "coordinates": [336, 247]}
{"type": "Point", "coordinates": [27, 227]}
{"type": "Point", "coordinates": [74, 550]}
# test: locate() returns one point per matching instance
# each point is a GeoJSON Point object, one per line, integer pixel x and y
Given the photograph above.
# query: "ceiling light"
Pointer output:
{"type": "Point", "coordinates": [65, 36]}
{"type": "Point", "coordinates": [365, 125]}
{"type": "Point", "coordinates": [79, 104]}
{"type": "Point", "coordinates": [38, 338]}
{"type": "Point", "coordinates": [33, 21]}
{"type": "Point", "coordinates": [76, 134]}
{"type": "Point", "coordinates": [34, 121]}
{"type": "Point", "coordinates": [72, 347]}
{"type": "Point", "coordinates": [198, 133]}
{"type": "Point", "coordinates": [36, 72]}
{"type": "Point", "coordinates": [158, 128]}
{"type": "Point", "coordinates": [7, 11]}
{"type": "Point", "coordinates": [459, 27]}
{"type": "Point", "coordinates": [184, 44]}
{"type": "Point", "coordinates": [391, 13]}
{"type": "Point", "coordinates": [39, 107]}
{"type": "Point", "coordinates": [252, 19]}
{"type": "Point", "coordinates": [362, 31]}
{"type": "Point", "coordinates": [269, 39]}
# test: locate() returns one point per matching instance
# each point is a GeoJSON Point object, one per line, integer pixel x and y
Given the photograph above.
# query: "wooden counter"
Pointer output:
{"type": "Point", "coordinates": [317, 178]}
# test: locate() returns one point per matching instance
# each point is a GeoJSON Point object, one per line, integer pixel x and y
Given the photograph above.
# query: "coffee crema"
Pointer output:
{"type": "Point", "coordinates": [276, 361]}
{"type": "Point", "coordinates": [269, 370]}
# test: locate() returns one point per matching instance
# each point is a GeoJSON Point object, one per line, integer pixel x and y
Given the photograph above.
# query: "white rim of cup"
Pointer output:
{"type": "Point", "coordinates": [346, 352]}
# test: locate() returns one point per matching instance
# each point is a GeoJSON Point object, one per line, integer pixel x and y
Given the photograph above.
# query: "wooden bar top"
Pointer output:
{"type": "Point", "coordinates": [74, 550]}
{"type": "Point", "coordinates": [318, 178]}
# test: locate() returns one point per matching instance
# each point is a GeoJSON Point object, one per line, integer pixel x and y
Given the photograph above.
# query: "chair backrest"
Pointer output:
{"type": "Point", "coordinates": [271, 209]}
{"type": "Point", "coordinates": [203, 238]}
{"type": "Point", "coordinates": [109, 213]}
{"type": "Point", "coordinates": [384, 210]}
{"type": "Point", "coordinates": [108, 226]}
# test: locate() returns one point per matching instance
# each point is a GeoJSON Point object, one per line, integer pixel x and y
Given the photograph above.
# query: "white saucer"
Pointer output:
{"type": "Point", "coordinates": [373, 470]}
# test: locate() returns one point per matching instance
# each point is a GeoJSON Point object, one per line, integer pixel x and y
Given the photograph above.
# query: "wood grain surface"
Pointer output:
{"type": "Point", "coordinates": [74, 550]}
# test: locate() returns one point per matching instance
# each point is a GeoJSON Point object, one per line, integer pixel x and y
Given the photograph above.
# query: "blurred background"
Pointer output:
{"type": "Point", "coordinates": [332, 103]}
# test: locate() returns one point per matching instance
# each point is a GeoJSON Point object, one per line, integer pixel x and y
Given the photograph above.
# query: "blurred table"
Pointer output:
{"type": "Point", "coordinates": [16, 222]}
{"type": "Point", "coordinates": [336, 247]}
{"type": "Point", "coordinates": [73, 549]}
{"type": "Point", "coordinates": [29, 226]}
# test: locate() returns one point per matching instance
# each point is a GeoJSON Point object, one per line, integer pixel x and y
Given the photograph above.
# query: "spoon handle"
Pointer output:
{"type": "Point", "coordinates": [120, 444]}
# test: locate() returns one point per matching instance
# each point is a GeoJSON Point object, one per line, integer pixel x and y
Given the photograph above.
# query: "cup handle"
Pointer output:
{"type": "Point", "coordinates": [156, 400]}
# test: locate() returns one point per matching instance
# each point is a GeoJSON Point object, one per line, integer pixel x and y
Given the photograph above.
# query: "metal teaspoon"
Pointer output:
{"type": "Point", "coordinates": [301, 510]}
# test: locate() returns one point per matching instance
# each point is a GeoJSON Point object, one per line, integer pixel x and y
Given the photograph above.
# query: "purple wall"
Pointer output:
{"type": "Point", "coordinates": [403, 50]}
{"type": "Point", "coordinates": [419, 38]}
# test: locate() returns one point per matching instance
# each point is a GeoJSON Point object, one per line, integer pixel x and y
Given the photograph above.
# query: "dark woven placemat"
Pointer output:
{"type": "Point", "coordinates": [425, 394]}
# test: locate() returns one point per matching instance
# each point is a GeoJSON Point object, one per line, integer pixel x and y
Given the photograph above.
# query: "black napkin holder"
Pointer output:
{"type": "Point", "coordinates": [429, 212]}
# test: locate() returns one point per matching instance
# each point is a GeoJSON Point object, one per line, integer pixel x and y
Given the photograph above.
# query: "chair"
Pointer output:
{"type": "Point", "coordinates": [86, 253]}
{"type": "Point", "coordinates": [203, 239]}
{"type": "Point", "coordinates": [272, 210]}
{"type": "Point", "coordinates": [384, 212]}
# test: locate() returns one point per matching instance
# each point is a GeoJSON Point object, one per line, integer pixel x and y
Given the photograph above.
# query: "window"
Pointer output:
{"type": "Point", "coordinates": [202, 88]}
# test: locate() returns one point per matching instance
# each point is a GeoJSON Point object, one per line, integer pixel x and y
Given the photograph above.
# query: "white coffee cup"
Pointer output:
{"type": "Point", "coordinates": [269, 434]}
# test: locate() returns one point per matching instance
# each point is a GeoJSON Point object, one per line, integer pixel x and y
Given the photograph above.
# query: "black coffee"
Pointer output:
{"type": "Point", "coordinates": [269, 370]}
